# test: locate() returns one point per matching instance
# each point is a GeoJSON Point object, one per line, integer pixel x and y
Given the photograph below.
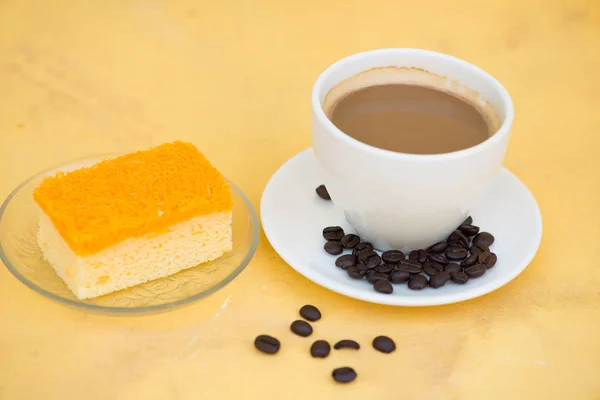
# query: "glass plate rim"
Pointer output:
{"type": "Point", "coordinates": [126, 310]}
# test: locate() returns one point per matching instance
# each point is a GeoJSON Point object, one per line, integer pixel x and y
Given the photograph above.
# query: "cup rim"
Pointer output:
{"type": "Point", "coordinates": [491, 141]}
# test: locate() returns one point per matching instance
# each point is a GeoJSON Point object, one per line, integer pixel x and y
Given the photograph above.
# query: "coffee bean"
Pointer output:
{"type": "Point", "coordinates": [432, 268]}
{"type": "Point", "coordinates": [456, 253]}
{"type": "Point", "coordinates": [345, 261]}
{"type": "Point", "coordinates": [383, 286]}
{"type": "Point", "coordinates": [350, 241]}
{"type": "Point", "coordinates": [333, 233]}
{"type": "Point", "coordinates": [344, 375]}
{"type": "Point", "coordinates": [320, 349]}
{"type": "Point", "coordinates": [373, 277]}
{"type": "Point", "coordinates": [347, 344]}
{"type": "Point", "coordinates": [439, 247]}
{"type": "Point", "coordinates": [469, 230]}
{"type": "Point", "coordinates": [454, 246]}
{"type": "Point", "coordinates": [392, 256]}
{"type": "Point", "coordinates": [385, 268]}
{"type": "Point", "coordinates": [459, 237]}
{"type": "Point", "coordinates": [355, 273]}
{"type": "Point", "coordinates": [334, 248]}
{"type": "Point", "coordinates": [400, 276]}
{"type": "Point", "coordinates": [490, 260]}
{"type": "Point", "coordinates": [483, 256]}
{"type": "Point", "coordinates": [452, 267]}
{"type": "Point", "coordinates": [475, 271]}
{"type": "Point", "coordinates": [411, 266]}
{"type": "Point", "coordinates": [267, 344]}
{"type": "Point", "coordinates": [363, 246]}
{"type": "Point", "coordinates": [468, 221]}
{"type": "Point", "coordinates": [417, 282]}
{"type": "Point", "coordinates": [373, 261]}
{"type": "Point", "coordinates": [301, 328]}
{"type": "Point", "coordinates": [479, 248]}
{"type": "Point", "coordinates": [440, 279]}
{"type": "Point", "coordinates": [438, 258]}
{"type": "Point", "coordinates": [459, 277]}
{"type": "Point", "coordinates": [457, 244]}
{"type": "Point", "coordinates": [362, 267]}
{"type": "Point", "coordinates": [365, 255]}
{"type": "Point", "coordinates": [310, 313]}
{"type": "Point", "coordinates": [422, 256]}
{"type": "Point", "coordinates": [413, 255]}
{"type": "Point", "coordinates": [370, 258]}
{"type": "Point", "coordinates": [471, 260]}
{"type": "Point", "coordinates": [323, 193]}
{"type": "Point", "coordinates": [384, 344]}
{"type": "Point", "coordinates": [484, 238]}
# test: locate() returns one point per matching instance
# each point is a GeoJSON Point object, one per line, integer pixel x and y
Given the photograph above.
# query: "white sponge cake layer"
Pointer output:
{"type": "Point", "coordinates": [136, 260]}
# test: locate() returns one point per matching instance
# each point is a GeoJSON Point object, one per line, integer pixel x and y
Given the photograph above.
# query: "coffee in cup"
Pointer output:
{"type": "Point", "coordinates": [408, 141]}
{"type": "Point", "coordinates": [410, 118]}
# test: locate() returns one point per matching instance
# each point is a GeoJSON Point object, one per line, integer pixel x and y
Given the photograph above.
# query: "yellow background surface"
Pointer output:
{"type": "Point", "coordinates": [81, 77]}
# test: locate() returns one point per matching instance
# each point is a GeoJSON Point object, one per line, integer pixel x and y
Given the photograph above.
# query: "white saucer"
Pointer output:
{"type": "Point", "coordinates": [293, 218]}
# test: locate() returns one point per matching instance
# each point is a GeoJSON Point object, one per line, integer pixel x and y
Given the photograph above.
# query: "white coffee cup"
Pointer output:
{"type": "Point", "coordinates": [397, 200]}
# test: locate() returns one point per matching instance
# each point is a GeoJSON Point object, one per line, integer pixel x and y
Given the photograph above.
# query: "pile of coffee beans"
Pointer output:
{"type": "Point", "coordinates": [464, 255]}
{"type": "Point", "coordinates": [321, 348]}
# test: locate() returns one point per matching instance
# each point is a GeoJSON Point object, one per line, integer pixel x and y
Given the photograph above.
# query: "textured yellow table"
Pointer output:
{"type": "Point", "coordinates": [234, 77]}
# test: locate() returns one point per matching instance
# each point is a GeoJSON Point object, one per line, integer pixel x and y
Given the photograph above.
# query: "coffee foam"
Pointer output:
{"type": "Point", "coordinates": [411, 76]}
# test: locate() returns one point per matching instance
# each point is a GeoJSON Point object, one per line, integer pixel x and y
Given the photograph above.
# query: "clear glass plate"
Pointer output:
{"type": "Point", "coordinates": [20, 253]}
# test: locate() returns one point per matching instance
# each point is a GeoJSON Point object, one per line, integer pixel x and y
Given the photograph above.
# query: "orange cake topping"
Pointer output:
{"type": "Point", "coordinates": [132, 195]}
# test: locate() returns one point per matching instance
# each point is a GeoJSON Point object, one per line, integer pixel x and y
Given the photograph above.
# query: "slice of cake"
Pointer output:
{"type": "Point", "coordinates": [134, 218]}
